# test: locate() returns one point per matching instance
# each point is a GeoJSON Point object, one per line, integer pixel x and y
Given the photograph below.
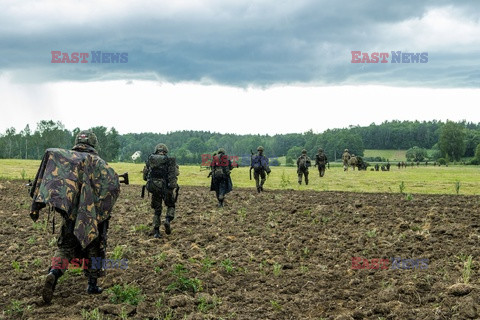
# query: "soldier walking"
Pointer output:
{"type": "Point", "coordinates": [83, 188]}
{"type": "Point", "coordinates": [320, 161]}
{"type": "Point", "coordinates": [345, 159]}
{"type": "Point", "coordinates": [259, 164]}
{"type": "Point", "coordinates": [303, 162]}
{"type": "Point", "coordinates": [161, 173]}
{"type": "Point", "coordinates": [221, 166]}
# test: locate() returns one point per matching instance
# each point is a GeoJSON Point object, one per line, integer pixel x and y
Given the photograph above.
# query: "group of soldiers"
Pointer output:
{"type": "Point", "coordinates": [82, 187]}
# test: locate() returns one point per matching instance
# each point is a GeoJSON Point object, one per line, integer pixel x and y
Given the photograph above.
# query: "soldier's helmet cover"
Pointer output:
{"type": "Point", "coordinates": [353, 154]}
{"type": "Point", "coordinates": [304, 151]}
{"type": "Point", "coordinates": [161, 147]}
{"type": "Point", "coordinates": [320, 150]}
{"type": "Point", "coordinates": [87, 137]}
{"type": "Point", "coordinates": [221, 150]}
{"type": "Point", "coordinates": [346, 150]}
{"type": "Point", "coordinates": [260, 148]}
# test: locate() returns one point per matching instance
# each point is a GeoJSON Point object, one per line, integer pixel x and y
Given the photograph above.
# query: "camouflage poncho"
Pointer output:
{"type": "Point", "coordinates": [81, 184]}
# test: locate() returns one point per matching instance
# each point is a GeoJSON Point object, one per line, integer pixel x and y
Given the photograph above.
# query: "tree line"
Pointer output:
{"type": "Point", "coordinates": [450, 140]}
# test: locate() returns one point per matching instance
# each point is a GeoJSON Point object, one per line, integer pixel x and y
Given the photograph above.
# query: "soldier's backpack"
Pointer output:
{"type": "Point", "coordinates": [303, 163]}
{"type": "Point", "coordinates": [161, 173]}
{"type": "Point", "coordinates": [221, 166]}
{"type": "Point", "coordinates": [321, 158]}
{"type": "Point", "coordinates": [259, 163]}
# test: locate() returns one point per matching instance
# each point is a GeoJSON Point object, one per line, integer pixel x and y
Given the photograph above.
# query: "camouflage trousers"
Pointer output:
{"type": "Point", "coordinates": [69, 248]}
{"type": "Point", "coordinates": [321, 170]}
{"type": "Point", "coordinates": [302, 173]}
{"type": "Point", "coordinates": [257, 175]}
{"type": "Point", "coordinates": [169, 200]}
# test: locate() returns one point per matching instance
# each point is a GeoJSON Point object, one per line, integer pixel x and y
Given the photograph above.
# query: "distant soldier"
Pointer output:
{"type": "Point", "coordinates": [303, 162]}
{"type": "Point", "coordinates": [320, 161]}
{"type": "Point", "coordinates": [399, 165]}
{"type": "Point", "coordinates": [345, 159]}
{"type": "Point", "coordinates": [377, 167]}
{"type": "Point", "coordinates": [259, 164]}
{"type": "Point", "coordinates": [383, 168]}
{"type": "Point", "coordinates": [161, 173]}
{"type": "Point", "coordinates": [221, 183]}
{"type": "Point", "coordinates": [353, 161]}
{"type": "Point", "coordinates": [388, 166]}
{"type": "Point", "coordinates": [83, 188]}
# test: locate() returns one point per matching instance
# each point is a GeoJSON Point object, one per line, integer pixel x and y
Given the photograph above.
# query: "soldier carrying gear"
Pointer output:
{"type": "Point", "coordinates": [259, 164]}
{"type": "Point", "coordinates": [83, 188]}
{"type": "Point", "coordinates": [345, 159]}
{"type": "Point", "coordinates": [303, 162]}
{"type": "Point", "coordinates": [161, 173]}
{"type": "Point", "coordinates": [353, 161]}
{"type": "Point", "coordinates": [320, 161]}
{"type": "Point", "coordinates": [221, 183]}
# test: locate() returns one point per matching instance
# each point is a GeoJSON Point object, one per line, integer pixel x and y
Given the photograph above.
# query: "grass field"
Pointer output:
{"type": "Point", "coordinates": [391, 155]}
{"type": "Point", "coordinates": [427, 180]}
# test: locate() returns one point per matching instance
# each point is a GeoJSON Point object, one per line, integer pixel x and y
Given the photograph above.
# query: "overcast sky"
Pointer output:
{"type": "Point", "coordinates": [237, 66]}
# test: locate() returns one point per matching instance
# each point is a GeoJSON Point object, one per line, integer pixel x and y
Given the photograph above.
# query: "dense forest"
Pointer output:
{"type": "Point", "coordinates": [423, 140]}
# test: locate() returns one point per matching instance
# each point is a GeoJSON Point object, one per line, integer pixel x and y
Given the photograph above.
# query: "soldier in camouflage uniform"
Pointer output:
{"type": "Point", "coordinates": [303, 162]}
{"type": "Point", "coordinates": [83, 189]}
{"type": "Point", "coordinates": [221, 166]}
{"type": "Point", "coordinates": [320, 161]}
{"type": "Point", "coordinates": [353, 161]}
{"type": "Point", "coordinates": [345, 159]}
{"type": "Point", "coordinates": [161, 173]}
{"type": "Point", "coordinates": [259, 163]}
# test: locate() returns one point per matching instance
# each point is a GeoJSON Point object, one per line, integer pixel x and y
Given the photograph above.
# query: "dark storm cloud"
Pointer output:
{"type": "Point", "coordinates": [249, 44]}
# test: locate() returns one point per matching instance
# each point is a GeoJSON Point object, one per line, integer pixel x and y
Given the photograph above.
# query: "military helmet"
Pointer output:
{"type": "Point", "coordinates": [161, 147]}
{"type": "Point", "coordinates": [221, 150]}
{"type": "Point", "coordinates": [346, 150]}
{"type": "Point", "coordinates": [353, 154]}
{"type": "Point", "coordinates": [320, 150]}
{"type": "Point", "coordinates": [87, 137]}
{"type": "Point", "coordinates": [260, 148]}
{"type": "Point", "coordinates": [304, 151]}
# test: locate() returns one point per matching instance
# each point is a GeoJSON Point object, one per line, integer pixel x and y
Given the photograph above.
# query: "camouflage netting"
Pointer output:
{"type": "Point", "coordinates": [81, 184]}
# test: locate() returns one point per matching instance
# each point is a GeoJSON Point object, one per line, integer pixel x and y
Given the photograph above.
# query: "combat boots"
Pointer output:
{"type": "Point", "coordinates": [50, 284]}
{"type": "Point", "coordinates": [156, 233]}
{"type": "Point", "coordinates": [168, 229]}
{"type": "Point", "coordinates": [220, 203]}
{"type": "Point", "coordinates": [92, 286]}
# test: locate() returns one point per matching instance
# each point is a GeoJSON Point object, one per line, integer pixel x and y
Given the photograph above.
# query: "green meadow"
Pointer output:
{"type": "Point", "coordinates": [422, 179]}
{"type": "Point", "coordinates": [391, 155]}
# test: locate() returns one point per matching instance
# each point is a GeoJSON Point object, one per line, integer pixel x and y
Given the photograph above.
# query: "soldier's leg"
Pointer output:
{"type": "Point", "coordinates": [256, 175]}
{"type": "Point", "coordinates": [299, 174]}
{"type": "Point", "coordinates": [95, 253]}
{"type": "Point", "coordinates": [170, 203]}
{"type": "Point", "coordinates": [322, 171]}
{"type": "Point", "coordinates": [157, 206]}
{"type": "Point", "coordinates": [66, 248]}
{"type": "Point", "coordinates": [221, 193]}
{"type": "Point", "coordinates": [306, 177]}
{"type": "Point", "coordinates": [263, 177]}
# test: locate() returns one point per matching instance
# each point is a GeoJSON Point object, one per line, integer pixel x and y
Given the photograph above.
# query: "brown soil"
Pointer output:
{"type": "Point", "coordinates": [291, 253]}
